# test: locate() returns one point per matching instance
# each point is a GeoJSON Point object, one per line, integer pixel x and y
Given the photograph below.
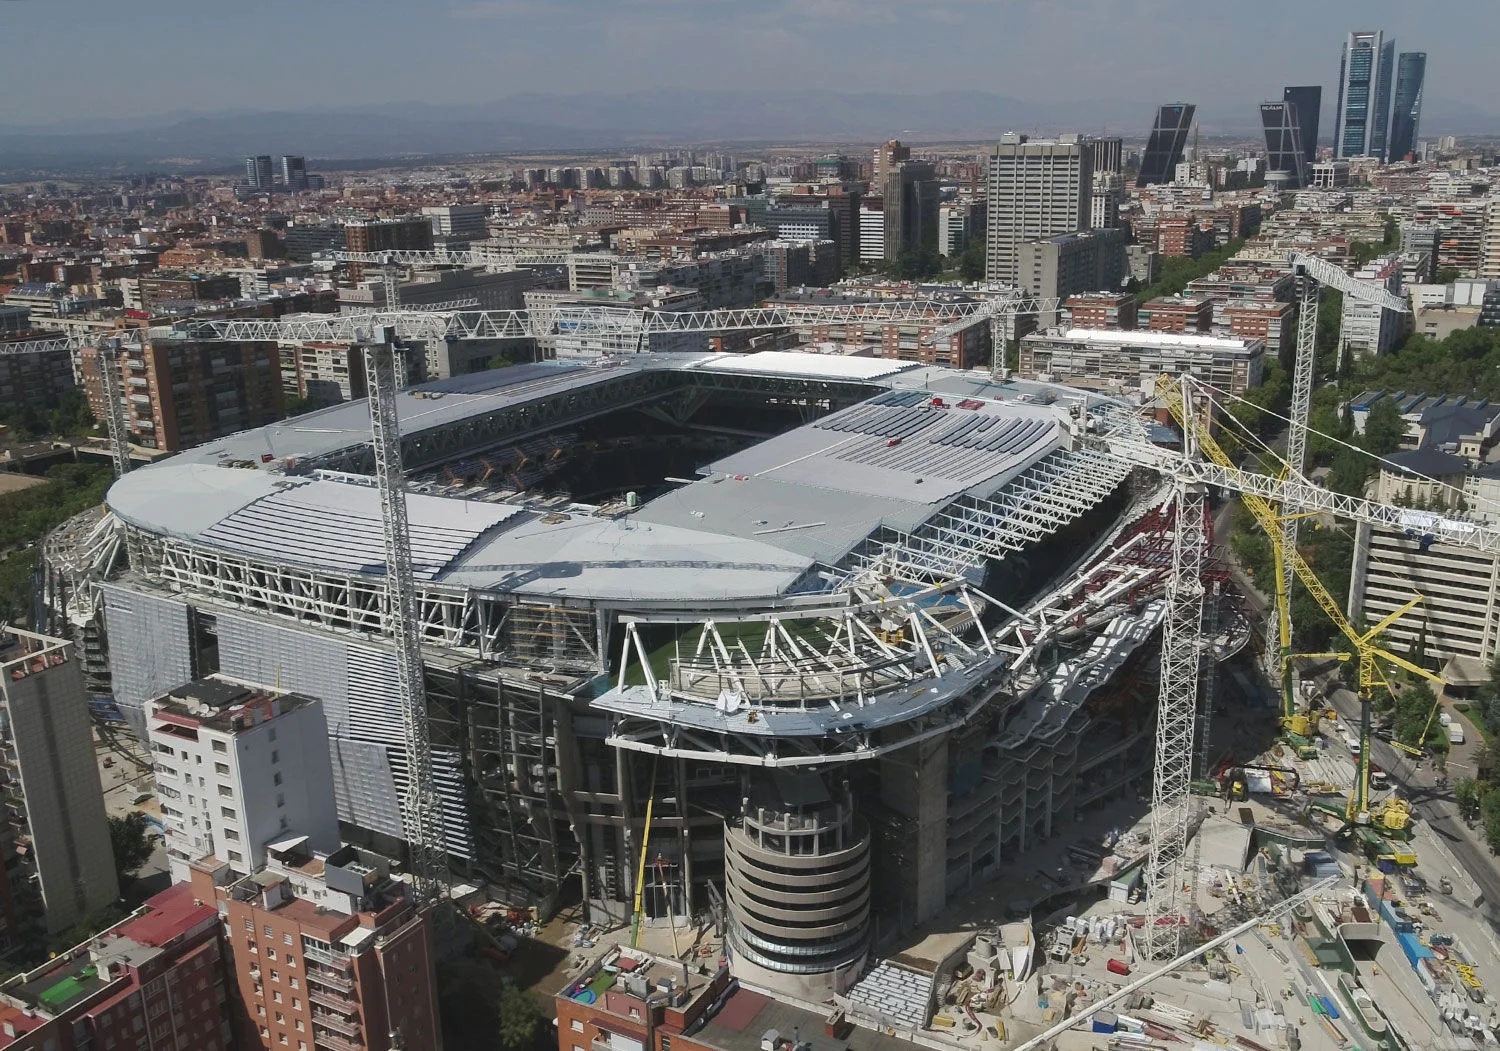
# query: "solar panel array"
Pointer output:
{"type": "Point", "coordinates": [338, 527]}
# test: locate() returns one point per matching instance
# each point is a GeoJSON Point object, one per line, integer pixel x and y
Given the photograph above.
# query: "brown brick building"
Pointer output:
{"type": "Point", "coordinates": [1101, 310]}
{"type": "Point", "coordinates": [328, 954]}
{"type": "Point", "coordinates": [181, 393]}
{"type": "Point", "coordinates": [1177, 314]}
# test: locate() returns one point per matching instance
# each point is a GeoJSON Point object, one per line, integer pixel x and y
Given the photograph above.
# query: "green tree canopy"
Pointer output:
{"type": "Point", "coordinates": [1384, 427]}
{"type": "Point", "coordinates": [132, 842]}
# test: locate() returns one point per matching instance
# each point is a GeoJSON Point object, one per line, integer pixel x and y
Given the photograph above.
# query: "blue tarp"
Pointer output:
{"type": "Point", "coordinates": [1415, 951]}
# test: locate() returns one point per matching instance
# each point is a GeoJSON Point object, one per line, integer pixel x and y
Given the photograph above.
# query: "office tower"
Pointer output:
{"type": "Point", "coordinates": [958, 223]}
{"type": "Point", "coordinates": [887, 156]}
{"type": "Point", "coordinates": [459, 221]}
{"type": "Point", "coordinates": [1108, 154]}
{"type": "Point", "coordinates": [1364, 105]}
{"type": "Point", "coordinates": [1406, 113]}
{"type": "Point", "coordinates": [1037, 190]}
{"type": "Point", "coordinates": [294, 173]}
{"type": "Point", "coordinates": [1108, 195]}
{"type": "Point", "coordinates": [911, 208]}
{"type": "Point", "coordinates": [239, 767]}
{"type": "Point", "coordinates": [1164, 147]}
{"type": "Point", "coordinates": [58, 866]}
{"type": "Point", "coordinates": [1309, 102]}
{"type": "Point", "coordinates": [1285, 158]}
{"type": "Point", "coordinates": [871, 228]}
{"type": "Point", "coordinates": [258, 172]}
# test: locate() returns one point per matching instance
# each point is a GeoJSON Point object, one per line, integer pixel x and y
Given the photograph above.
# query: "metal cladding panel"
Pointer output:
{"type": "Point", "coordinates": [447, 775]}
{"type": "Point", "coordinates": [296, 661]}
{"type": "Point", "coordinates": [150, 651]}
{"type": "Point", "coordinates": [363, 787]}
{"type": "Point", "coordinates": [374, 703]}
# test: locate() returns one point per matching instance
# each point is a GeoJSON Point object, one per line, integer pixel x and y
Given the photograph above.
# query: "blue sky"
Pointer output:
{"type": "Point", "coordinates": [71, 60]}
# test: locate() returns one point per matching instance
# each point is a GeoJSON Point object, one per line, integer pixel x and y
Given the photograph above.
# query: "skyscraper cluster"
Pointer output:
{"type": "Point", "coordinates": [1380, 98]}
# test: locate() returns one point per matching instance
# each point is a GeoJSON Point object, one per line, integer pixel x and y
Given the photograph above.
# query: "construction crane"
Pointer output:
{"type": "Point", "coordinates": [110, 356]}
{"type": "Point", "coordinates": [1311, 275]}
{"type": "Point", "coordinates": [421, 809]}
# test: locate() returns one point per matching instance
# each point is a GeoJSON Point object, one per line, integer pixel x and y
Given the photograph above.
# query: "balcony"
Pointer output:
{"type": "Point", "coordinates": [330, 999]}
{"type": "Point", "coordinates": [332, 1041]}
{"type": "Point", "coordinates": [324, 956]}
{"type": "Point", "coordinates": [338, 1023]}
{"type": "Point", "coordinates": [331, 979]}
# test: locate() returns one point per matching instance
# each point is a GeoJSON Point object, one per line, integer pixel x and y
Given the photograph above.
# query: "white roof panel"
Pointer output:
{"type": "Point", "coordinates": [791, 363]}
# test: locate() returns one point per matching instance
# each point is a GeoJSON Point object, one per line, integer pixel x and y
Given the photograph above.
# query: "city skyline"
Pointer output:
{"type": "Point", "coordinates": [501, 48]}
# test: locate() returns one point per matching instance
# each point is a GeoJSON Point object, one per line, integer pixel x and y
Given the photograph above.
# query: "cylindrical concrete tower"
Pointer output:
{"type": "Point", "coordinates": [797, 880]}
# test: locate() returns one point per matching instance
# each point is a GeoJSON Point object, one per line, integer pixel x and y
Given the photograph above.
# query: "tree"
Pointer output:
{"type": "Point", "coordinates": [1489, 813]}
{"type": "Point", "coordinates": [971, 264]}
{"type": "Point", "coordinates": [1449, 274]}
{"type": "Point", "coordinates": [1414, 715]}
{"type": "Point", "coordinates": [1467, 793]}
{"type": "Point", "coordinates": [522, 1023]}
{"type": "Point", "coordinates": [1384, 427]}
{"type": "Point", "coordinates": [917, 265]}
{"type": "Point", "coordinates": [132, 842]}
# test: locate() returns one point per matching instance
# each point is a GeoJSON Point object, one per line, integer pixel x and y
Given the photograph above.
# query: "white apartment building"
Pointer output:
{"type": "Point", "coordinates": [1368, 328]}
{"type": "Point", "coordinates": [56, 846]}
{"type": "Point", "coordinates": [871, 230]}
{"type": "Point", "coordinates": [240, 767]}
{"type": "Point", "coordinates": [459, 221]}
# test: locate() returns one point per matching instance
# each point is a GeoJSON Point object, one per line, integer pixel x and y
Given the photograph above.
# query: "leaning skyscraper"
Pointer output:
{"type": "Point", "coordinates": [1164, 147]}
{"type": "Point", "coordinates": [1285, 162]}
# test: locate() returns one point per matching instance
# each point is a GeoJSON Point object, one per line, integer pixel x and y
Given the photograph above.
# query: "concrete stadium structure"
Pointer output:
{"type": "Point", "coordinates": [865, 607]}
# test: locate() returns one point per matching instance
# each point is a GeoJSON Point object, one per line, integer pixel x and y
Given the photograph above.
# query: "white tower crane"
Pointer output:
{"type": "Point", "coordinates": [1311, 273]}
{"type": "Point", "coordinates": [110, 354]}
{"type": "Point", "coordinates": [421, 810]}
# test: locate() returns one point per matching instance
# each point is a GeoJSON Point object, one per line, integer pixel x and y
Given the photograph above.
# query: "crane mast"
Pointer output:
{"type": "Point", "coordinates": [111, 353]}
{"type": "Point", "coordinates": [421, 810]}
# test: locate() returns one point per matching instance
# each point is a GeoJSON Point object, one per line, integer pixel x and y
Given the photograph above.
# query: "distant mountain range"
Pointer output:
{"type": "Point", "coordinates": [600, 121]}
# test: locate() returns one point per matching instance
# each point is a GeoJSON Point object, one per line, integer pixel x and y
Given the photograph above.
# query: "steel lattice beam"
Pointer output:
{"type": "Point", "coordinates": [1177, 710]}
{"type": "Point", "coordinates": [421, 806]}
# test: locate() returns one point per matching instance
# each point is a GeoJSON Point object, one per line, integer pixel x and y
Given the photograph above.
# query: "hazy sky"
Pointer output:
{"type": "Point", "coordinates": [80, 59]}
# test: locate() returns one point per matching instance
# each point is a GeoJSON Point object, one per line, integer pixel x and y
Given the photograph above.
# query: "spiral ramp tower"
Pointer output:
{"type": "Point", "coordinates": [797, 876]}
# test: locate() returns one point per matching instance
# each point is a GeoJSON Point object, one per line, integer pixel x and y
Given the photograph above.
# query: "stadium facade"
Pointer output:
{"type": "Point", "coordinates": [822, 610]}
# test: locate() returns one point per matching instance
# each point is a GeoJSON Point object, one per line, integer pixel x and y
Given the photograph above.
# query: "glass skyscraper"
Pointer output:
{"type": "Point", "coordinates": [1363, 115]}
{"type": "Point", "coordinates": [1164, 147]}
{"type": "Point", "coordinates": [1309, 103]}
{"type": "Point", "coordinates": [1285, 161]}
{"type": "Point", "coordinates": [1406, 114]}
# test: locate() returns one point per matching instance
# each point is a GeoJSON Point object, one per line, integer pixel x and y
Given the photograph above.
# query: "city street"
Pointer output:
{"type": "Point", "coordinates": [1432, 803]}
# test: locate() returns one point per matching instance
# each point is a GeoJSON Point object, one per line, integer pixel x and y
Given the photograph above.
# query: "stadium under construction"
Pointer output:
{"type": "Point", "coordinates": [854, 632]}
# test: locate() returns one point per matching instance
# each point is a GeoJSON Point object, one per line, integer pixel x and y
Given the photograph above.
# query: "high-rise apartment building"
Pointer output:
{"type": "Point", "coordinates": [238, 768]}
{"type": "Point", "coordinates": [1406, 111]}
{"type": "Point", "coordinates": [911, 208]}
{"type": "Point", "coordinates": [58, 867]}
{"type": "Point", "coordinates": [958, 222]}
{"type": "Point", "coordinates": [182, 392]}
{"type": "Point", "coordinates": [1309, 102]}
{"type": "Point", "coordinates": [294, 173]}
{"type": "Point", "coordinates": [1286, 160]}
{"type": "Point", "coordinates": [1037, 190]}
{"type": "Point", "coordinates": [1165, 145]}
{"type": "Point", "coordinates": [1362, 119]}
{"type": "Point", "coordinates": [871, 229]}
{"type": "Point", "coordinates": [1104, 205]}
{"type": "Point", "coordinates": [258, 172]}
{"type": "Point", "coordinates": [887, 156]}
{"type": "Point", "coordinates": [1088, 261]}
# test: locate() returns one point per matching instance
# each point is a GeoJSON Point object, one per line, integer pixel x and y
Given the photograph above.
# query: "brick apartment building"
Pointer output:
{"type": "Point", "coordinates": [1271, 320]}
{"type": "Point", "coordinates": [156, 982]}
{"type": "Point", "coordinates": [1177, 314]}
{"type": "Point", "coordinates": [327, 953]}
{"type": "Point", "coordinates": [180, 393]}
{"type": "Point", "coordinates": [159, 288]}
{"type": "Point", "coordinates": [412, 234]}
{"type": "Point", "coordinates": [35, 379]}
{"type": "Point", "coordinates": [1101, 310]}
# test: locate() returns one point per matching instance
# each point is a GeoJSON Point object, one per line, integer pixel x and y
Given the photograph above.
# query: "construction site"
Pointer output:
{"type": "Point", "coordinates": [814, 700]}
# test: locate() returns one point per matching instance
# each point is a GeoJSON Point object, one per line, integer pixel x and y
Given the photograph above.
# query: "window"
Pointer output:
{"type": "Point", "coordinates": [275, 976]}
{"type": "Point", "coordinates": [235, 855]}
{"type": "Point", "coordinates": [294, 983]}
{"type": "Point", "coordinates": [231, 835]}
{"type": "Point", "coordinates": [276, 778]}
{"type": "Point", "coordinates": [220, 747]}
{"type": "Point", "coordinates": [269, 932]}
{"type": "Point", "coordinates": [222, 769]}
{"type": "Point", "coordinates": [260, 1009]}
{"type": "Point", "coordinates": [276, 996]}
{"type": "Point", "coordinates": [291, 961]}
{"type": "Point", "coordinates": [286, 939]}
{"type": "Point", "coordinates": [275, 756]}
{"type": "Point", "coordinates": [271, 736]}
{"type": "Point", "coordinates": [299, 1025]}
{"type": "Point", "coordinates": [225, 790]}
{"type": "Point", "coordinates": [270, 953]}
{"type": "Point", "coordinates": [296, 1003]}
{"type": "Point", "coordinates": [577, 1025]}
{"type": "Point", "coordinates": [250, 926]}
{"type": "Point", "coordinates": [280, 1018]}
{"type": "Point", "coordinates": [228, 813]}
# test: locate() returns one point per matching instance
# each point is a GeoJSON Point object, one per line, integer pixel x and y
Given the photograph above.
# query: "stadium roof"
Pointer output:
{"type": "Point", "coordinates": [755, 525]}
